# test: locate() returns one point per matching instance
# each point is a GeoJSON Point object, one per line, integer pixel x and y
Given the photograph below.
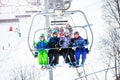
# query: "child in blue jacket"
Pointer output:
{"type": "Point", "coordinates": [53, 53]}
{"type": "Point", "coordinates": [80, 43]}
{"type": "Point", "coordinates": [42, 53]}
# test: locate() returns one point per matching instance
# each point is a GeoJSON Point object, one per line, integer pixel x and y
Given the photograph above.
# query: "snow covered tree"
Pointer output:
{"type": "Point", "coordinates": [25, 73]}
{"type": "Point", "coordinates": [110, 44]}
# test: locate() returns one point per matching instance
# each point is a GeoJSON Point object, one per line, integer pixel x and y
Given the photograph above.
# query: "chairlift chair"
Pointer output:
{"type": "Point", "coordinates": [58, 22]}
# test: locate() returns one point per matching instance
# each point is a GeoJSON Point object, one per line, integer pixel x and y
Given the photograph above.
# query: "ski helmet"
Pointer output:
{"type": "Point", "coordinates": [42, 35]}
{"type": "Point", "coordinates": [66, 31]}
{"type": "Point", "coordinates": [76, 32]}
{"type": "Point", "coordinates": [55, 31]}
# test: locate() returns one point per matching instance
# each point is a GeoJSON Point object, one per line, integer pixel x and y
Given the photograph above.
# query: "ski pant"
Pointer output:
{"type": "Point", "coordinates": [68, 55]}
{"type": "Point", "coordinates": [53, 56]}
{"type": "Point", "coordinates": [43, 57]}
{"type": "Point", "coordinates": [80, 51]}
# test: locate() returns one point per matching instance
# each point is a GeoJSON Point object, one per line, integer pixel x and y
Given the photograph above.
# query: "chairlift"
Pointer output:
{"type": "Point", "coordinates": [59, 22]}
{"type": "Point", "coordinates": [61, 8]}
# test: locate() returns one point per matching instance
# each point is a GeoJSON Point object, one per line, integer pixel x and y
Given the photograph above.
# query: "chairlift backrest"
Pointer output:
{"type": "Point", "coordinates": [61, 22]}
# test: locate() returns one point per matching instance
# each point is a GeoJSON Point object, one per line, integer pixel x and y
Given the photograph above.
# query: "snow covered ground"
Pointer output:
{"type": "Point", "coordinates": [20, 57]}
{"type": "Point", "coordinates": [15, 54]}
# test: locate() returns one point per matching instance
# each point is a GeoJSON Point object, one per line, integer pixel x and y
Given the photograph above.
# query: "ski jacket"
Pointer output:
{"type": "Point", "coordinates": [79, 42]}
{"type": "Point", "coordinates": [53, 42]}
{"type": "Point", "coordinates": [65, 41]}
{"type": "Point", "coordinates": [41, 45]}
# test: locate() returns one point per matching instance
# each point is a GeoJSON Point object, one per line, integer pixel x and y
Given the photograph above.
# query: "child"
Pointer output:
{"type": "Point", "coordinates": [65, 42]}
{"type": "Point", "coordinates": [53, 53]}
{"type": "Point", "coordinates": [69, 27]}
{"type": "Point", "coordinates": [79, 41]}
{"type": "Point", "coordinates": [61, 32]}
{"type": "Point", "coordinates": [42, 53]}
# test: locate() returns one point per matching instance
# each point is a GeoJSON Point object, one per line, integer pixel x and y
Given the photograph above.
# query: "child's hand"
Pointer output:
{"type": "Point", "coordinates": [56, 45]}
{"type": "Point", "coordinates": [61, 42]}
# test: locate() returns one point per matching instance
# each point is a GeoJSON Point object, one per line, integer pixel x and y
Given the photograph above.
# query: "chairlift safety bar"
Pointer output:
{"type": "Point", "coordinates": [59, 48]}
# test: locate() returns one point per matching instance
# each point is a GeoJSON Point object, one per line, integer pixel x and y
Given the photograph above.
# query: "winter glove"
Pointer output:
{"type": "Point", "coordinates": [56, 46]}
{"type": "Point", "coordinates": [86, 41]}
{"type": "Point", "coordinates": [36, 54]}
{"type": "Point", "coordinates": [70, 45]}
{"type": "Point", "coordinates": [72, 40]}
{"type": "Point", "coordinates": [61, 42]}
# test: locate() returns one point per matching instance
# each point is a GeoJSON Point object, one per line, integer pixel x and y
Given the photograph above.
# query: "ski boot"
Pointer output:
{"type": "Point", "coordinates": [70, 64]}
{"type": "Point", "coordinates": [77, 64]}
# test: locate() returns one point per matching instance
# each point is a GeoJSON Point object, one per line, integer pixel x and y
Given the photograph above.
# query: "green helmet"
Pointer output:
{"type": "Point", "coordinates": [42, 35]}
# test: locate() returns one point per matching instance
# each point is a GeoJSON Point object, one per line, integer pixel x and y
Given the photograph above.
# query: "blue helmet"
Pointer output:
{"type": "Point", "coordinates": [55, 31]}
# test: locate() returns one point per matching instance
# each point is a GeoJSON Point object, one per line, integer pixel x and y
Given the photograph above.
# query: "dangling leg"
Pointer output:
{"type": "Point", "coordinates": [40, 56]}
{"type": "Point", "coordinates": [72, 57]}
{"type": "Point", "coordinates": [83, 56]}
{"type": "Point", "coordinates": [53, 61]}
{"type": "Point", "coordinates": [56, 56]}
{"type": "Point", "coordinates": [77, 54]}
{"type": "Point", "coordinates": [65, 55]}
{"type": "Point", "coordinates": [50, 57]}
{"type": "Point", "coordinates": [45, 57]}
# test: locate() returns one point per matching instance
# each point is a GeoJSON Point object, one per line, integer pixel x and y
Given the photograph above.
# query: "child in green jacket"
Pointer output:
{"type": "Point", "coordinates": [42, 53]}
